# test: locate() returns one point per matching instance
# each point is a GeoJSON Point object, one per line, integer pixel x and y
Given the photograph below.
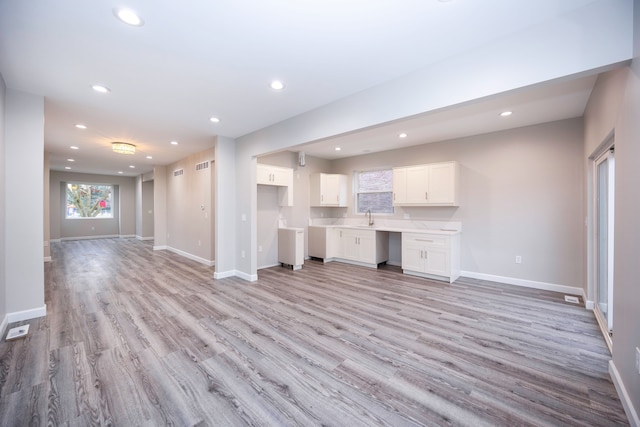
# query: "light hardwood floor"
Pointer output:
{"type": "Point", "coordinates": [137, 337]}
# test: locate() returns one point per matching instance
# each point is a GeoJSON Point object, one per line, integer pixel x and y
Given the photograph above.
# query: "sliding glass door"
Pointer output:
{"type": "Point", "coordinates": [604, 205]}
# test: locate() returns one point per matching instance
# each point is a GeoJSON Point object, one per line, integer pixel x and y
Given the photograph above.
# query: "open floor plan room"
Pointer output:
{"type": "Point", "coordinates": [134, 336]}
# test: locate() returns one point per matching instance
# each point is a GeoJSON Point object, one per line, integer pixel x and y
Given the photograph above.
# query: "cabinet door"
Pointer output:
{"type": "Point", "coordinates": [263, 174]}
{"type": "Point", "coordinates": [437, 262]}
{"type": "Point", "coordinates": [442, 182]}
{"type": "Point", "coordinates": [330, 189]}
{"type": "Point", "coordinates": [412, 256]}
{"type": "Point", "coordinates": [280, 177]}
{"type": "Point", "coordinates": [417, 184]}
{"type": "Point", "coordinates": [350, 248]}
{"type": "Point", "coordinates": [333, 243]}
{"type": "Point", "coordinates": [367, 246]}
{"type": "Point", "coordinates": [399, 185]}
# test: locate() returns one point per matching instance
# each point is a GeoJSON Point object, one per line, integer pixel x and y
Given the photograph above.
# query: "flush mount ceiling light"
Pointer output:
{"type": "Point", "coordinates": [120, 172]}
{"type": "Point", "coordinates": [214, 120]}
{"type": "Point", "coordinates": [174, 142]}
{"type": "Point", "coordinates": [338, 148]}
{"type": "Point", "coordinates": [128, 16]}
{"type": "Point", "coordinates": [123, 148]}
{"type": "Point", "coordinates": [73, 147]}
{"type": "Point", "coordinates": [71, 160]}
{"type": "Point", "coordinates": [402, 135]}
{"type": "Point", "coordinates": [81, 126]}
{"type": "Point", "coordinates": [101, 89]}
{"type": "Point", "coordinates": [67, 168]}
{"type": "Point", "coordinates": [149, 157]}
{"type": "Point", "coordinates": [277, 85]}
{"type": "Point", "coordinates": [506, 113]}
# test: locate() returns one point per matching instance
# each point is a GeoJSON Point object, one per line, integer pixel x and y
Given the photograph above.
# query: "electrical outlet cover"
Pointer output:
{"type": "Point", "coordinates": [18, 332]}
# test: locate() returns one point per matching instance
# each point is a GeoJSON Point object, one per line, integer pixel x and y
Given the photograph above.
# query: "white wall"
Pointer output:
{"type": "Point", "coordinates": [615, 106]}
{"type": "Point", "coordinates": [159, 207]}
{"type": "Point", "coordinates": [146, 209]}
{"type": "Point", "coordinates": [124, 203]}
{"type": "Point", "coordinates": [189, 207]}
{"type": "Point", "coordinates": [3, 279]}
{"type": "Point", "coordinates": [225, 207]}
{"type": "Point", "coordinates": [24, 151]}
{"type": "Point", "coordinates": [47, 207]}
{"type": "Point", "coordinates": [590, 39]}
{"type": "Point", "coordinates": [521, 194]}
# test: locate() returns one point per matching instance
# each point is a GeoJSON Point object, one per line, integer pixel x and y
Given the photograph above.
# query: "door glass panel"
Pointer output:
{"type": "Point", "coordinates": [602, 241]}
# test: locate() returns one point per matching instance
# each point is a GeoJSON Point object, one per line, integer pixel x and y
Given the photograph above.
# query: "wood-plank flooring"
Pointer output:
{"type": "Point", "coordinates": [135, 337]}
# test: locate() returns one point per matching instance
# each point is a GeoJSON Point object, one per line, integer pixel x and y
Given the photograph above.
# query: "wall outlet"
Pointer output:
{"type": "Point", "coordinates": [259, 248]}
{"type": "Point", "coordinates": [243, 217]}
{"type": "Point", "coordinates": [199, 243]}
{"type": "Point", "coordinates": [518, 259]}
{"type": "Point", "coordinates": [242, 254]}
{"type": "Point", "coordinates": [407, 216]}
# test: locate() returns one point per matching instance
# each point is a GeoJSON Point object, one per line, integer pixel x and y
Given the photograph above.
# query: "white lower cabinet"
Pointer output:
{"type": "Point", "coordinates": [362, 247]}
{"type": "Point", "coordinates": [431, 255]}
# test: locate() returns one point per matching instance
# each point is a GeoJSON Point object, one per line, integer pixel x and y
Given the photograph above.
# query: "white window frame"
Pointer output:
{"type": "Point", "coordinates": [73, 217]}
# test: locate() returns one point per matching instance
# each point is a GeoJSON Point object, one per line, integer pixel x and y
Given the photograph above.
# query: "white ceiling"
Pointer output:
{"type": "Point", "coordinates": [201, 58]}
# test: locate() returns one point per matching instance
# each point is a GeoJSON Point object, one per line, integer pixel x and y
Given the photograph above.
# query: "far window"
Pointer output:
{"type": "Point", "coordinates": [374, 191]}
{"type": "Point", "coordinates": [89, 201]}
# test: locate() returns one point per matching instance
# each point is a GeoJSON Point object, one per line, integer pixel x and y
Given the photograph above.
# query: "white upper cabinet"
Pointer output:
{"type": "Point", "coordinates": [327, 190]}
{"type": "Point", "coordinates": [434, 184]}
{"type": "Point", "coordinates": [277, 176]}
{"type": "Point", "coordinates": [274, 175]}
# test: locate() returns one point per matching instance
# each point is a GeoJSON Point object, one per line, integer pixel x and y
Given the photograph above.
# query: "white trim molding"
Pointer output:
{"type": "Point", "coordinates": [105, 236]}
{"type": "Point", "coordinates": [19, 316]}
{"type": "Point", "coordinates": [55, 240]}
{"type": "Point", "coordinates": [208, 263]}
{"type": "Point", "coordinates": [47, 259]}
{"type": "Point", "coordinates": [570, 290]}
{"type": "Point", "coordinates": [126, 236]}
{"type": "Point", "coordinates": [627, 404]}
{"type": "Point", "coordinates": [144, 238]}
{"type": "Point", "coordinates": [247, 277]}
{"type": "Point", "coordinates": [224, 274]}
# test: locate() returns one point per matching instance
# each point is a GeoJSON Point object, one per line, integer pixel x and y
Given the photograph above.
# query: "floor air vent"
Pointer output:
{"type": "Point", "coordinates": [571, 299]}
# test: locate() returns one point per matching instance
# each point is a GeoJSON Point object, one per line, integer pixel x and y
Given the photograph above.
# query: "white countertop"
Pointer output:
{"type": "Point", "coordinates": [446, 232]}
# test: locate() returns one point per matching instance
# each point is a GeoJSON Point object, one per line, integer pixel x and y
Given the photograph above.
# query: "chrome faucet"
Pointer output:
{"type": "Point", "coordinates": [370, 217]}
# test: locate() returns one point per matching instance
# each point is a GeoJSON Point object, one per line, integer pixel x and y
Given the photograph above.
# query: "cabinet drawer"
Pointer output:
{"type": "Point", "coordinates": [433, 240]}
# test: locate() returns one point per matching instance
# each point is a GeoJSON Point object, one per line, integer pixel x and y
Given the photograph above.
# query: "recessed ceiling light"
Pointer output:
{"type": "Point", "coordinates": [174, 142]}
{"type": "Point", "coordinates": [120, 172]}
{"type": "Point", "coordinates": [132, 166]}
{"type": "Point", "coordinates": [101, 89]}
{"type": "Point", "coordinates": [149, 157]}
{"type": "Point", "coordinates": [80, 126]}
{"type": "Point", "coordinates": [277, 85]}
{"type": "Point", "coordinates": [506, 113]}
{"type": "Point", "coordinates": [70, 160]}
{"type": "Point", "coordinates": [338, 148]}
{"type": "Point", "coordinates": [73, 147]}
{"type": "Point", "coordinates": [67, 167]}
{"type": "Point", "coordinates": [402, 135]}
{"type": "Point", "coordinates": [128, 16]}
{"type": "Point", "coordinates": [214, 120]}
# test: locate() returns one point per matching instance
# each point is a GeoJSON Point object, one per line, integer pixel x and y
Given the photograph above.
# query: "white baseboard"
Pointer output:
{"type": "Point", "coordinates": [570, 290]}
{"type": "Point", "coordinates": [208, 263]}
{"type": "Point", "coordinates": [247, 277]}
{"type": "Point", "coordinates": [54, 241]}
{"type": "Point", "coordinates": [144, 238]}
{"type": "Point", "coordinates": [632, 413]}
{"type": "Point", "coordinates": [18, 316]}
{"type": "Point", "coordinates": [224, 274]}
{"type": "Point", "coordinates": [268, 266]}
{"type": "Point", "coordinates": [104, 236]}
{"type": "Point", "coordinates": [126, 236]}
{"type": "Point", "coordinates": [47, 259]}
